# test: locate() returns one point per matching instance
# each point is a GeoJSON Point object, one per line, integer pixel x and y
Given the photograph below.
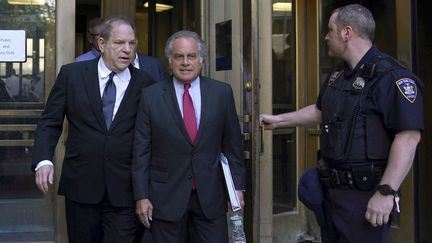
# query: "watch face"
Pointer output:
{"type": "Point", "coordinates": [385, 190]}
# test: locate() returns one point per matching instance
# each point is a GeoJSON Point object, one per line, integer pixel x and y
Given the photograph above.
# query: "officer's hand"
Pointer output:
{"type": "Point", "coordinates": [269, 121]}
{"type": "Point", "coordinates": [144, 210]}
{"type": "Point", "coordinates": [44, 176]}
{"type": "Point", "coordinates": [378, 209]}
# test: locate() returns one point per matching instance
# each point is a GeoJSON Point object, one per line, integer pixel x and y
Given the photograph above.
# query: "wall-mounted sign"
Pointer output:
{"type": "Point", "coordinates": [12, 46]}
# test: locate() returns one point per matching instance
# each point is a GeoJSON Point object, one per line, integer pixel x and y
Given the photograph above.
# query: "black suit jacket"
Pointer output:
{"type": "Point", "coordinates": [165, 160]}
{"type": "Point", "coordinates": [152, 66]}
{"type": "Point", "coordinates": [96, 159]}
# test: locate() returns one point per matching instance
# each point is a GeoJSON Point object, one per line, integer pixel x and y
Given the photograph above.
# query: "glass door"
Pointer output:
{"type": "Point", "coordinates": [27, 27]}
{"type": "Point", "coordinates": [157, 20]}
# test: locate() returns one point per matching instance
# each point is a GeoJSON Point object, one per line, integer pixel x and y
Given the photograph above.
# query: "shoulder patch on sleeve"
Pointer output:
{"type": "Point", "coordinates": [407, 88]}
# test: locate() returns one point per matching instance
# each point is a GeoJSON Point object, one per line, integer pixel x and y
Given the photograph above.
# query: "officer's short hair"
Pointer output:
{"type": "Point", "coordinates": [202, 47]}
{"type": "Point", "coordinates": [358, 17]}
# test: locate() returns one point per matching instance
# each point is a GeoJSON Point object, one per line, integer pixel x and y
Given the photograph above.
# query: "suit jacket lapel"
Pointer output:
{"type": "Point", "coordinates": [90, 79]}
{"type": "Point", "coordinates": [205, 94]}
{"type": "Point", "coordinates": [133, 87]}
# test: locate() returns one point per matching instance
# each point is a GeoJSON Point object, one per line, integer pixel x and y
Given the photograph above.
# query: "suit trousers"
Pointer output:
{"type": "Point", "coordinates": [101, 223]}
{"type": "Point", "coordinates": [194, 227]}
{"type": "Point", "coordinates": [345, 210]}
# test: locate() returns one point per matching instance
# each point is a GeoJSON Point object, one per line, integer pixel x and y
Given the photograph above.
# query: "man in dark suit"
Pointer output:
{"type": "Point", "coordinates": [182, 126]}
{"type": "Point", "coordinates": [99, 98]}
{"type": "Point", "coordinates": [151, 65]}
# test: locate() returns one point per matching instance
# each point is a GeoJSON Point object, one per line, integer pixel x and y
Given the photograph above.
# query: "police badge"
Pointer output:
{"type": "Point", "coordinates": [358, 83]}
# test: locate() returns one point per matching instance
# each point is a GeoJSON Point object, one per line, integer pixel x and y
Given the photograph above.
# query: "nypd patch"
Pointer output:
{"type": "Point", "coordinates": [408, 88]}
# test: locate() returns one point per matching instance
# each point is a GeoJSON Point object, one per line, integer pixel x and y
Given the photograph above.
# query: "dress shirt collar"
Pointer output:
{"type": "Point", "coordinates": [136, 61]}
{"type": "Point", "coordinates": [195, 84]}
{"type": "Point", "coordinates": [104, 72]}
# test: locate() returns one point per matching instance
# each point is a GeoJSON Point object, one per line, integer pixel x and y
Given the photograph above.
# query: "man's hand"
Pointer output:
{"type": "Point", "coordinates": [44, 176]}
{"type": "Point", "coordinates": [378, 209]}
{"type": "Point", "coordinates": [241, 198]}
{"type": "Point", "coordinates": [144, 210]}
{"type": "Point", "coordinates": [269, 121]}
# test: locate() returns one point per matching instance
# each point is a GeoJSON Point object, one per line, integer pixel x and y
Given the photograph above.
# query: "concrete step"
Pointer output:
{"type": "Point", "coordinates": [26, 220]}
{"type": "Point", "coordinates": [27, 237]}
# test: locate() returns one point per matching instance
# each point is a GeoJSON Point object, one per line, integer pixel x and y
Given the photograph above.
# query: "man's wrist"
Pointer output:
{"type": "Point", "coordinates": [42, 163]}
{"type": "Point", "coordinates": [385, 190]}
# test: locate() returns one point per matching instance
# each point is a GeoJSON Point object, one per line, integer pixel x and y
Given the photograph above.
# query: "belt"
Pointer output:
{"type": "Point", "coordinates": [332, 177]}
{"type": "Point", "coordinates": [335, 178]}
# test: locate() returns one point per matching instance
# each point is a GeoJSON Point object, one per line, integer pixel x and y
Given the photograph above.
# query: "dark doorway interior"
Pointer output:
{"type": "Point", "coordinates": [423, 45]}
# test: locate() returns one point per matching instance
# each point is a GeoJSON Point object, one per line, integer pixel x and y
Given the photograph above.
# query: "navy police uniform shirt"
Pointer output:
{"type": "Point", "coordinates": [397, 97]}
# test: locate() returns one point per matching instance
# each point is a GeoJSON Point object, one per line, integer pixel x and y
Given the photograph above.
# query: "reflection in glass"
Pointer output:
{"type": "Point", "coordinates": [26, 215]}
{"type": "Point", "coordinates": [180, 15]}
{"type": "Point", "coordinates": [284, 100]}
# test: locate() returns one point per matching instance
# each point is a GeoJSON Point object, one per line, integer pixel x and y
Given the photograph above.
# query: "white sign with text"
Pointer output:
{"type": "Point", "coordinates": [12, 46]}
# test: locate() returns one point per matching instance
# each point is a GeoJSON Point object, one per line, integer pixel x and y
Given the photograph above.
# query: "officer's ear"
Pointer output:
{"type": "Point", "coordinates": [347, 33]}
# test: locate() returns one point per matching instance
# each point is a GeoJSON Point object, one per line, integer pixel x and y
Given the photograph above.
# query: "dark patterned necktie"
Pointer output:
{"type": "Point", "coordinates": [108, 100]}
{"type": "Point", "coordinates": [189, 113]}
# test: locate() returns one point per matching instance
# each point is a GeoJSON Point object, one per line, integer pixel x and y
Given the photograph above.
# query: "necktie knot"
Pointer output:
{"type": "Point", "coordinates": [111, 76]}
{"type": "Point", "coordinates": [187, 86]}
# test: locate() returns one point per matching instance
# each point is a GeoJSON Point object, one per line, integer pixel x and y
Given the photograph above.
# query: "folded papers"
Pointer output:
{"type": "Point", "coordinates": [235, 203]}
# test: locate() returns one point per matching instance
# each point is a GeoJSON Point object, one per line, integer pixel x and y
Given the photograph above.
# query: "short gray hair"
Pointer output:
{"type": "Point", "coordinates": [358, 17]}
{"type": "Point", "coordinates": [202, 47]}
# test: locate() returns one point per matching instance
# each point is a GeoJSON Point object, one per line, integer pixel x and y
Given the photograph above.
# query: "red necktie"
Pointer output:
{"type": "Point", "coordinates": [189, 113]}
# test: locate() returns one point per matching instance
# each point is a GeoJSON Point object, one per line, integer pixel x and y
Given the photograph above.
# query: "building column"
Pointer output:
{"type": "Point", "coordinates": [113, 7]}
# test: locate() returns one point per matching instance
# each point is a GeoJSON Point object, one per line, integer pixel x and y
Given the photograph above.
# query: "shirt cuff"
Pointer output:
{"type": "Point", "coordinates": [42, 163]}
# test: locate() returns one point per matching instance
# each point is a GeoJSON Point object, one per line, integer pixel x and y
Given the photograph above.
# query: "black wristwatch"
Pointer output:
{"type": "Point", "coordinates": [386, 190]}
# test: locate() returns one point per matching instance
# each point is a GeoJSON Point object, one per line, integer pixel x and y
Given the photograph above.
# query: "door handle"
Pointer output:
{"type": "Point", "coordinates": [246, 154]}
{"type": "Point", "coordinates": [246, 136]}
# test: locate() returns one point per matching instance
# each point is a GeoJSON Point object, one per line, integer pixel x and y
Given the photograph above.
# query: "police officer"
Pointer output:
{"type": "Point", "coordinates": [370, 113]}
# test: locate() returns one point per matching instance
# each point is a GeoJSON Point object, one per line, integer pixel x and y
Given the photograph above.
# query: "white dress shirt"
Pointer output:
{"type": "Point", "coordinates": [136, 61]}
{"type": "Point", "coordinates": [121, 81]}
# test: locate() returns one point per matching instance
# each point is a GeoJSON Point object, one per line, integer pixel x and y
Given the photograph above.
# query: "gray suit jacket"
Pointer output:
{"type": "Point", "coordinates": [165, 160]}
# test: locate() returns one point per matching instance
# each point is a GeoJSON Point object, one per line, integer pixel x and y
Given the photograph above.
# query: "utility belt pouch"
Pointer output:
{"type": "Point", "coordinates": [364, 177]}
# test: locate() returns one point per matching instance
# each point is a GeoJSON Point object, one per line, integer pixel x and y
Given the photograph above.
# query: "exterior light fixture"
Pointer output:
{"type": "Point", "coordinates": [282, 7]}
{"type": "Point", "coordinates": [160, 7]}
{"type": "Point", "coordinates": [27, 2]}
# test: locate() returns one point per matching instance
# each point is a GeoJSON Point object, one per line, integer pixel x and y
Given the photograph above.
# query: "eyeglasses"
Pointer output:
{"type": "Point", "coordinates": [95, 34]}
{"type": "Point", "coordinates": [189, 57]}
